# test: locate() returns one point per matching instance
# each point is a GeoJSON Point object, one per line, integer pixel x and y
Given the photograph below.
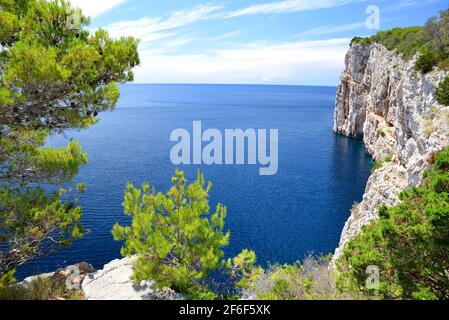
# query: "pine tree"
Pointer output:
{"type": "Point", "coordinates": [176, 240]}
{"type": "Point", "coordinates": [54, 75]}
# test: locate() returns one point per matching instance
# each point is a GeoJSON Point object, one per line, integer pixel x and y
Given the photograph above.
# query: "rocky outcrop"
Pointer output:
{"type": "Point", "coordinates": [70, 277]}
{"type": "Point", "coordinates": [115, 282]}
{"type": "Point", "coordinates": [384, 101]}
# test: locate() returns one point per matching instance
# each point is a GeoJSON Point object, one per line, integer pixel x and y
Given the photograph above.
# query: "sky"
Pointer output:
{"type": "Point", "coordinates": [294, 42]}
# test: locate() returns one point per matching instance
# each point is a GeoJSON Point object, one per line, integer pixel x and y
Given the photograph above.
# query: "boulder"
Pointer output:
{"type": "Point", "coordinates": [115, 282]}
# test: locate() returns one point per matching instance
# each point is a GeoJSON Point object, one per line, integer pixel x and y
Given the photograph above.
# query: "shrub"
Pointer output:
{"type": "Point", "coordinates": [432, 41]}
{"type": "Point", "coordinates": [407, 41]}
{"type": "Point", "coordinates": [442, 93]}
{"type": "Point", "coordinates": [178, 242]}
{"type": "Point", "coordinates": [444, 64]}
{"type": "Point", "coordinates": [409, 243]}
{"type": "Point", "coordinates": [39, 289]}
{"type": "Point", "coordinates": [311, 280]}
{"type": "Point", "coordinates": [376, 166]}
{"type": "Point", "coordinates": [427, 60]}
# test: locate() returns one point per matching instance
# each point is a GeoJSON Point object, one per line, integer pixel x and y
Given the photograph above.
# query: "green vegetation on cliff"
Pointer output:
{"type": "Point", "coordinates": [409, 243]}
{"type": "Point", "coordinates": [431, 42]}
{"type": "Point", "coordinates": [407, 41]}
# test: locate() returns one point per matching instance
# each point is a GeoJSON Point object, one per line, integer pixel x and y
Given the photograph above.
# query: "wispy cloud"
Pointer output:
{"type": "Point", "coordinates": [93, 8]}
{"type": "Point", "coordinates": [332, 29]}
{"type": "Point", "coordinates": [149, 29]}
{"type": "Point", "coordinates": [236, 62]}
{"type": "Point", "coordinates": [289, 6]}
{"type": "Point", "coordinates": [226, 35]}
{"type": "Point", "coordinates": [407, 4]}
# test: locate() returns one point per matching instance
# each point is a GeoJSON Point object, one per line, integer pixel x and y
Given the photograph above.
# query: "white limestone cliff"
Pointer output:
{"type": "Point", "coordinates": [384, 101]}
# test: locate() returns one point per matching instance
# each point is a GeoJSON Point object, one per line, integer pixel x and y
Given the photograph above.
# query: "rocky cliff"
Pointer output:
{"type": "Point", "coordinates": [384, 101]}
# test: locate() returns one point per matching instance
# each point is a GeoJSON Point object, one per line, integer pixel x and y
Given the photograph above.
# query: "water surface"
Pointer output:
{"type": "Point", "coordinates": [284, 217]}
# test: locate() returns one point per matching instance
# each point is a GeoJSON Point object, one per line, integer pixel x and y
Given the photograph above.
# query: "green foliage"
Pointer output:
{"type": "Point", "coordinates": [53, 76]}
{"type": "Point", "coordinates": [427, 60]}
{"type": "Point", "coordinates": [311, 280]}
{"type": "Point", "coordinates": [41, 289]}
{"type": "Point", "coordinates": [200, 293]}
{"type": "Point", "coordinates": [407, 41]}
{"type": "Point", "coordinates": [376, 166]}
{"type": "Point", "coordinates": [77, 71]}
{"type": "Point", "coordinates": [442, 93]}
{"type": "Point", "coordinates": [7, 279]}
{"type": "Point", "coordinates": [243, 270]}
{"type": "Point", "coordinates": [409, 243]}
{"type": "Point", "coordinates": [430, 41]}
{"type": "Point", "coordinates": [177, 240]}
{"type": "Point", "coordinates": [33, 224]}
{"type": "Point", "coordinates": [81, 187]}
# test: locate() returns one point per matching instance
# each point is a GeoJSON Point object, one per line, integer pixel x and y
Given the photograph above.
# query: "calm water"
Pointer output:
{"type": "Point", "coordinates": [284, 217]}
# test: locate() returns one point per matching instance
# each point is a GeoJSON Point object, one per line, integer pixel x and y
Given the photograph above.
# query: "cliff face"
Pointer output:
{"type": "Point", "coordinates": [384, 101]}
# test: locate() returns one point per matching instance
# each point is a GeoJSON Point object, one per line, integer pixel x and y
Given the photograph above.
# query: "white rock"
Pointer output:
{"type": "Point", "coordinates": [114, 282]}
{"type": "Point", "coordinates": [28, 281]}
{"type": "Point", "coordinates": [384, 101]}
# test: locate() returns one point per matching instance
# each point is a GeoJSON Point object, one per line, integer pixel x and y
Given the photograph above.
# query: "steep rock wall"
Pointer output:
{"type": "Point", "coordinates": [384, 101]}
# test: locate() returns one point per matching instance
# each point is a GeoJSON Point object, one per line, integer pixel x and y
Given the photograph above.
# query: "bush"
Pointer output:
{"type": "Point", "coordinates": [178, 242]}
{"type": "Point", "coordinates": [376, 166]}
{"type": "Point", "coordinates": [409, 243]}
{"type": "Point", "coordinates": [311, 280]}
{"type": "Point", "coordinates": [442, 93]}
{"type": "Point", "coordinates": [427, 60]}
{"type": "Point", "coordinates": [444, 64]}
{"type": "Point", "coordinates": [432, 41]}
{"type": "Point", "coordinates": [39, 289]}
{"type": "Point", "coordinates": [407, 41]}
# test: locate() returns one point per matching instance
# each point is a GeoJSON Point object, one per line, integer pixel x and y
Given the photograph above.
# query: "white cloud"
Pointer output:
{"type": "Point", "coordinates": [312, 62]}
{"type": "Point", "coordinates": [226, 35]}
{"type": "Point", "coordinates": [93, 8]}
{"type": "Point", "coordinates": [288, 6]}
{"type": "Point", "coordinates": [149, 29]}
{"type": "Point", "coordinates": [330, 29]}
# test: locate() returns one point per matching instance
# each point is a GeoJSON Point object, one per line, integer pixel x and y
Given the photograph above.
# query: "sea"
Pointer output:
{"type": "Point", "coordinates": [301, 210]}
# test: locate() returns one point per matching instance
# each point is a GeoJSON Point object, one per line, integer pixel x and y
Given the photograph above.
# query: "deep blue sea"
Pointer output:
{"type": "Point", "coordinates": [284, 217]}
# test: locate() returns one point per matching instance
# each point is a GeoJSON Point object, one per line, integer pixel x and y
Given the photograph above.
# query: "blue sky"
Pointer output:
{"type": "Point", "coordinates": [301, 42]}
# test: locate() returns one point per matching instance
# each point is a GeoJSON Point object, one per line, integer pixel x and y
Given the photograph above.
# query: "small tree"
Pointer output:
{"type": "Point", "coordinates": [178, 242]}
{"type": "Point", "coordinates": [427, 60]}
{"type": "Point", "coordinates": [438, 28]}
{"type": "Point", "coordinates": [443, 92]}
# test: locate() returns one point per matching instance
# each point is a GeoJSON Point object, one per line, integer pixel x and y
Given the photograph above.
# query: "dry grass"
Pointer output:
{"type": "Point", "coordinates": [311, 280]}
{"type": "Point", "coordinates": [39, 289]}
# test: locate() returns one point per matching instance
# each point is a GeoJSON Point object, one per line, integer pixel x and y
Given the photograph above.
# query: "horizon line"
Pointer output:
{"type": "Point", "coordinates": [229, 84]}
